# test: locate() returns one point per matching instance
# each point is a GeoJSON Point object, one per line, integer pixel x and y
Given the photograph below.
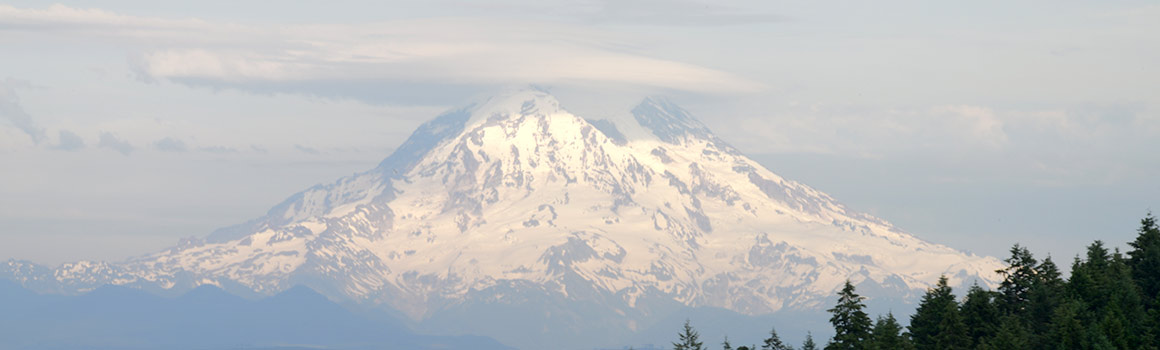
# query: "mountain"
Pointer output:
{"type": "Point", "coordinates": [114, 317]}
{"type": "Point", "coordinates": [513, 217]}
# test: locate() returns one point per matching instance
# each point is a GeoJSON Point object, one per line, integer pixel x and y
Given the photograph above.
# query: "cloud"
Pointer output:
{"type": "Point", "coordinates": [218, 149]}
{"type": "Point", "coordinates": [456, 52]}
{"type": "Point", "coordinates": [69, 141]}
{"type": "Point", "coordinates": [170, 144]}
{"type": "Point", "coordinates": [631, 12]}
{"type": "Point", "coordinates": [111, 141]}
{"type": "Point", "coordinates": [306, 149]}
{"type": "Point", "coordinates": [13, 113]}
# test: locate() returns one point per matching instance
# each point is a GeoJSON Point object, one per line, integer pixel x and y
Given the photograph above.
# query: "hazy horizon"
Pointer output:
{"type": "Point", "coordinates": [127, 124]}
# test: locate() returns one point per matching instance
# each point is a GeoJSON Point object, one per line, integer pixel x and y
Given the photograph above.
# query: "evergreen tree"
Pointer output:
{"type": "Point", "coordinates": [937, 323]}
{"type": "Point", "coordinates": [1012, 335]}
{"type": "Point", "coordinates": [725, 344]}
{"type": "Point", "coordinates": [1114, 311]}
{"type": "Point", "coordinates": [1044, 297]}
{"type": "Point", "coordinates": [1144, 259]}
{"type": "Point", "coordinates": [851, 324]}
{"type": "Point", "coordinates": [980, 315]}
{"type": "Point", "coordinates": [1018, 278]}
{"type": "Point", "coordinates": [809, 343]}
{"type": "Point", "coordinates": [774, 342]}
{"type": "Point", "coordinates": [688, 339]}
{"type": "Point", "coordinates": [887, 334]}
{"type": "Point", "coordinates": [1067, 332]}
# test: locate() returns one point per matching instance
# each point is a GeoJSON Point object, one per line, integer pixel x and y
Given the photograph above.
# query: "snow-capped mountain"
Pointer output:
{"type": "Point", "coordinates": [514, 199]}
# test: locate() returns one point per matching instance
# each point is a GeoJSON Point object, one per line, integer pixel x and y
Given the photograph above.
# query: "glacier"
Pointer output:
{"type": "Point", "coordinates": [514, 207]}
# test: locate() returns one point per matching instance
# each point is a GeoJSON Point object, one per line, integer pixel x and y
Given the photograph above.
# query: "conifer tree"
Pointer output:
{"type": "Point", "coordinates": [1144, 259]}
{"type": "Point", "coordinates": [774, 342]}
{"type": "Point", "coordinates": [1018, 278]}
{"type": "Point", "coordinates": [725, 344]}
{"type": "Point", "coordinates": [937, 323]}
{"type": "Point", "coordinates": [1012, 335]}
{"type": "Point", "coordinates": [1067, 332]}
{"type": "Point", "coordinates": [887, 334]}
{"type": "Point", "coordinates": [851, 324]}
{"type": "Point", "coordinates": [809, 343]}
{"type": "Point", "coordinates": [688, 339]}
{"type": "Point", "coordinates": [980, 315]}
{"type": "Point", "coordinates": [1044, 297]}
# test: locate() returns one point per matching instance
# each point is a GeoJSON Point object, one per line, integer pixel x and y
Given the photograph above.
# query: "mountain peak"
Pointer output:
{"type": "Point", "coordinates": [522, 102]}
{"type": "Point", "coordinates": [669, 122]}
{"type": "Point", "coordinates": [513, 200]}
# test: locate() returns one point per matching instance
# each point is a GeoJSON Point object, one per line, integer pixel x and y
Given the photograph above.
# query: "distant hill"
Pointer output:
{"type": "Point", "coordinates": [113, 317]}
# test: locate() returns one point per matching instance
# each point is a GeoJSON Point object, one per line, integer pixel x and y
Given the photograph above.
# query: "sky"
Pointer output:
{"type": "Point", "coordinates": [126, 125]}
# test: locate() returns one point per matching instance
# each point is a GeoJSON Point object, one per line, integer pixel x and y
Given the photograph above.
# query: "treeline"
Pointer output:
{"type": "Point", "coordinates": [1110, 301]}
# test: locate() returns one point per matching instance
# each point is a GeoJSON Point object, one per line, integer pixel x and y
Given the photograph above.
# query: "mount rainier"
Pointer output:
{"type": "Point", "coordinates": [514, 218]}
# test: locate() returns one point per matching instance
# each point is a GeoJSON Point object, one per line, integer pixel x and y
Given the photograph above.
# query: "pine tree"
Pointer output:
{"type": "Point", "coordinates": [1145, 260]}
{"type": "Point", "coordinates": [980, 315]}
{"type": "Point", "coordinates": [774, 342]}
{"type": "Point", "coordinates": [937, 323]}
{"type": "Point", "coordinates": [688, 339]}
{"type": "Point", "coordinates": [1018, 278]}
{"type": "Point", "coordinates": [1044, 297]}
{"type": "Point", "coordinates": [1114, 310]}
{"type": "Point", "coordinates": [1067, 332]}
{"type": "Point", "coordinates": [887, 334]}
{"type": "Point", "coordinates": [851, 324]}
{"type": "Point", "coordinates": [725, 344]}
{"type": "Point", "coordinates": [809, 343]}
{"type": "Point", "coordinates": [1012, 335]}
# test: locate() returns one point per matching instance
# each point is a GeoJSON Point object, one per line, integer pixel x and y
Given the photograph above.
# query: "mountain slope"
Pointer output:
{"type": "Point", "coordinates": [514, 201]}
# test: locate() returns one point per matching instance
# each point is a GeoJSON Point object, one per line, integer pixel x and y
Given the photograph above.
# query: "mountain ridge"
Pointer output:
{"type": "Point", "coordinates": [514, 198]}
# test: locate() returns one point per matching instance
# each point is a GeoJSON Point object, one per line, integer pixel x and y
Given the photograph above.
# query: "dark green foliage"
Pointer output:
{"type": "Point", "coordinates": [1045, 295]}
{"type": "Point", "coordinates": [1018, 278]}
{"type": "Point", "coordinates": [687, 339]}
{"type": "Point", "coordinates": [774, 342]}
{"type": "Point", "coordinates": [1012, 335]}
{"type": "Point", "coordinates": [1144, 259]}
{"type": "Point", "coordinates": [725, 344]}
{"type": "Point", "coordinates": [979, 315]}
{"type": "Point", "coordinates": [851, 324]}
{"type": "Point", "coordinates": [937, 323]}
{"type": "Point", "coordinates": [809, 343]}
{"type": "Point", "coordinates": [1066, 329]}
{"type": "Point", "coordinates": [1110, 301]}
{"type": "Point", "coordinates": [888, 334]}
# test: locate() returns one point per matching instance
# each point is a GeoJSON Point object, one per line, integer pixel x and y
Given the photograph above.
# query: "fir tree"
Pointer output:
{"type": "Point", "coordinates": [1044, 297]}
{"type": "Point", "coordinates": [887, 334]}
{"type": "Point", "coordinates": [1067, 332]}
{"type": "Point", "coordinates": [851, 324]}
{"type": "Point", "coordinates": [1012, 335]}
{"type": "Point", "coordinates": [1018, 278]}
{"type": "Point", "coordinates": [1144, 259]}
{"type": "Point", "coordinates": [687, 339]}
{"type": "Point", "coordinates": [774, 342]}
{"type": "Point", "coordinates": [979, 315]}
{"type": "Point", "coordinates": [725, 344]}
{"type": "Point", "coordinates": [937, 323]}
{"type": "Point", "coordinates": [809, 343]}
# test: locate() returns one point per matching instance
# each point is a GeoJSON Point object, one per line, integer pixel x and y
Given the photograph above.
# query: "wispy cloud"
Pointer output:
{"type": "Point", "coordinates": [111, 141]}
{"type": "Point", "coordinates": [69, 141]}
{"type": "Point", "coordinates": [12, 112]}
{"type": "Point", "coordinates": [445, 51]}
{"type": "Point", "coordinates": [307, 149]}
{"type": "Point", "coordinates": [170, 144]}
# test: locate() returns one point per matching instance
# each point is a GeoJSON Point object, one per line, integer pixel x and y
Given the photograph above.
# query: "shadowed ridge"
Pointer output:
{"type": "Point", "coordinates": [667, 121]}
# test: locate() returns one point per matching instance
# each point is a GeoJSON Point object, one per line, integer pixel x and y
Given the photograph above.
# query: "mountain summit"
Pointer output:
{"type": "Point", "coordinates": [514, 202]}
